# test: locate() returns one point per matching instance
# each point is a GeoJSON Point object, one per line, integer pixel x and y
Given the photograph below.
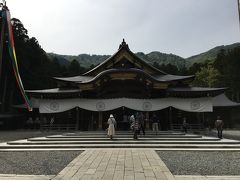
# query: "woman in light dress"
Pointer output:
{"type": "Point", "coordinates": [111, 126]}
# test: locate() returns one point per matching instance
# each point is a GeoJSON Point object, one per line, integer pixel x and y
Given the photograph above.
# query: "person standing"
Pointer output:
{"type": "Point", "coordinates": [134, 126]}
{"type": "Point", "coordinates": [155, 123]}
{"type": "Point", "coordinates": [111, 126]}
{"type": "Point", "coordinates": [219, 126]}
{"type": "Point", "coordinates": [29, 123]}
{"type": "Point", "coordinates": [37, 123]}
{"type": "Point", "coordinates": [185, 125]}
{"type": "Point", "coordinates": [51, 123]}
{"type": "Point", "coordinates": [140, 118]}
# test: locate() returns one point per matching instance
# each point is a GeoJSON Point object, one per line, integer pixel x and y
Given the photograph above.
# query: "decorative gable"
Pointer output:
{"type": "Point", "coordinates": [124, 59]}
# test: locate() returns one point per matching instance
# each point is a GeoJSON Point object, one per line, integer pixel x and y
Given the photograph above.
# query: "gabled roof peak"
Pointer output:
{"type": "Point", "coordinates": [123, 45]}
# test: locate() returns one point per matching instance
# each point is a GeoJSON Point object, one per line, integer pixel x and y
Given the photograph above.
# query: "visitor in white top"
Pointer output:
{"type": "Point", "coordinates": [111, 126]}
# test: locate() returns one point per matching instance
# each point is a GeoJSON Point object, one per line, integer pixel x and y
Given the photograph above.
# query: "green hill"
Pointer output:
{"type": "Point", "coordinates": [209, 55]}
{"type": "Point", "coordinates": [86, 60]}
{"type": "Point", "coordinates": [162, 58]}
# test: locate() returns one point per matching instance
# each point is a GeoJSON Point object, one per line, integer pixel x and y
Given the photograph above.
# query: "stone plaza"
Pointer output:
{"type": "Point", "coordinates": [92, 155]}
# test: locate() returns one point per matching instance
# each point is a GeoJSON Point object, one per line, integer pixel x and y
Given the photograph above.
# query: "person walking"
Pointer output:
{"type": "Point", "coordinates": [219, 126]}
{"type": "Point", "coordinates": [111, 126]}
{"type": "Point", "coordinates": [134, 126]}
{"type": "Point", "coordinates": [155, 123]}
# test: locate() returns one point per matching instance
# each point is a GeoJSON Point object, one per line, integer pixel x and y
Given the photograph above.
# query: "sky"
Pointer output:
{"type": "Point", "coordinates": [181, 27]}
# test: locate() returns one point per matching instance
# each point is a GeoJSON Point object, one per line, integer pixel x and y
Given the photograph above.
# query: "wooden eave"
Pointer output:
{"type": "Point", "coordinates": [54, 93]}
{"type": "Point", "coordinates": [195, 92]}
{"type": "Point", "coordinates": [131, 74]}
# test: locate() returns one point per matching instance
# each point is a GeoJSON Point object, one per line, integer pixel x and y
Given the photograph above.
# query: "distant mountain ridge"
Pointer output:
{"type": "Point", "coordinates": [211, 54]}
{"type": "Point", "coordinates": [86, 60]}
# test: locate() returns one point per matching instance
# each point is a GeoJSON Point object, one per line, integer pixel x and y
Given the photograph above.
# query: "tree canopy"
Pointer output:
{"type": "Point", "coordinates": [36, 68]}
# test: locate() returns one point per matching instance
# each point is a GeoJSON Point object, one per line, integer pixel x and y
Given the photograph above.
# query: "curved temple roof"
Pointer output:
{"type": "Point", "coordinates": [194, 89]}
{"type": "Point", "coordinates": [200, 91]}
{"type": "Point", "coordinates": [123, 48]}
{"type": "Point", "coordinates": [223, 101]}
{"type": "Point", "coordinates": [54, 91]}
{"type": "Point", "coordinates": [122, 56]}
{"type": "Point", "coordinates": [89, 79]}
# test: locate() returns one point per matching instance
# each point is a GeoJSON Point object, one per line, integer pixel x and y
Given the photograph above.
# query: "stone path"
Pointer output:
{"type": "Point", "coordinates": [116, 164]}
{"type": "Point", "coordinates": [120, 164]}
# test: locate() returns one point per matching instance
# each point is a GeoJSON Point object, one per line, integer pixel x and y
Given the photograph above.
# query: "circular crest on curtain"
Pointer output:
{"type": "Point", "coordinates": [147, 106]}
{"type": "Point", "coordinates": [195, 105]}
{"type": "Point", "coordinates": [54, 106]}
{"type": "Point", "coordinates": [100, 106]}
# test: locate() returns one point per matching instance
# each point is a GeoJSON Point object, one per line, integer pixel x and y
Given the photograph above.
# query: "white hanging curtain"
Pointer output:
{"type": "Point", "coordinates": [188, 104]}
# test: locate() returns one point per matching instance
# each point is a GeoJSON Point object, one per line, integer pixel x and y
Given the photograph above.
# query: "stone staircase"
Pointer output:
{"type": "Point", "coordinates": [168, 140]}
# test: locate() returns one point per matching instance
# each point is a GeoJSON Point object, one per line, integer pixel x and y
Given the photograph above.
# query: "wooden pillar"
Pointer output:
{"type": "Point", "coordinates": [147, 121]}
{"type": "Point", "coordinates": [100, 120]}
{"type": "Point", "coordinates": [77, 119]}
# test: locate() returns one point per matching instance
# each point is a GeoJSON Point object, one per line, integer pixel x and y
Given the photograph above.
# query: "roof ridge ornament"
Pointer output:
{"type": "Point", "coordinates": [123, 45]}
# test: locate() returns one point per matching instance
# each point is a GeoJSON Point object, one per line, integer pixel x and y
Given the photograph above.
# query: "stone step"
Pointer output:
{"type": "Point", "coordinates": [125, 132]}
{"type": "Point", "coordinates": [80, 140]}
{"type": "Point", "coordinates": [122, 139]}
{"type": "Point", "coordinates": [84, 146]}
{"type": "Point", "coordinates": [125, 136]}
{"type": "Point", "coordinates": [118, 142]}
{"type": "Point", "coordinates": [122, 133]}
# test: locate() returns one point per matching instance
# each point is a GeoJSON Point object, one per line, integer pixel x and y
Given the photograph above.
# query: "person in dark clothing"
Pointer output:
{"type": "Point", "coordinates": [155, 123]}
{"type": "Point", "coordinates": [134, 126]}
{"type": "Point", "coordinates": [140, 118]}
{"type": "Point", "coordinates": [185, 125]}
{"type": "Point", "coordinates": [219, 125]}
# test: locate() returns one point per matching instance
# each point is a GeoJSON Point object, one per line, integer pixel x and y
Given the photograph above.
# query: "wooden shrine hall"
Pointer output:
{"type": "Point", "coordinates": [122, 85]}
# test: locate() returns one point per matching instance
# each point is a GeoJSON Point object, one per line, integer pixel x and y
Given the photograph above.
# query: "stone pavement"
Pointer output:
{"type": "Point", "coordinates": [113, 161]}
{"type": "Point", "coordinates": [120, 164]}
{"type": "Point", "coordinates": [116, 164]}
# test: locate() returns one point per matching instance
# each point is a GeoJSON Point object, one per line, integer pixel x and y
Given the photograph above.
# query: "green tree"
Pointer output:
{"type": "Point", "coordinates": [34, 64]}
{"type": "Point", "coordinates": [74, 68]}
{"type": "Point", "coordinates": [228, 64]}
{"type": "Point", "coordinates": [207, 77]}
{"type": "Point", "coordinates": [56, 69]}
